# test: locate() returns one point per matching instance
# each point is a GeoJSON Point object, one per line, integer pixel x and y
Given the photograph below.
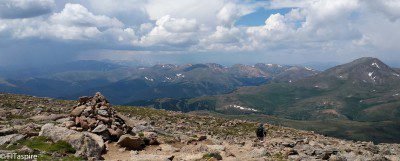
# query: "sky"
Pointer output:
{"type": "Point", "coordinates": [42, 32]}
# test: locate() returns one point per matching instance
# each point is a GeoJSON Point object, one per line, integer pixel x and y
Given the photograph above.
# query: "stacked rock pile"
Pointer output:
{"type": "Point", "coordinates": [95, 114]}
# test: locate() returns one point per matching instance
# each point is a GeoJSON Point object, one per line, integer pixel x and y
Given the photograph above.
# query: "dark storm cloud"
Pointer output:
{"type": "Point", "coordinates": [13, 9]}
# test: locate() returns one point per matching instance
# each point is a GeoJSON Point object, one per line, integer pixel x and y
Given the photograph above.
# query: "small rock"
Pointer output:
{"type": "Point", "coordinates": [337, 158]}
{"type": "Point", "coordinates": [289, 144]}
{"type": "Point", "coordinates": [78, 110]}
{"type": "Point", "coordinates": [92, 122]}
{"type": "Point", "coordinates": [84, 99]}
{"type": "Point", "coordinates": [201, 138]}
{"type": "Point", "coordinates": [104, 119]}
{"type": "Point", "coordinates": [131, 142]}
{"type": "Point", "coordinates": [102, 112]}
{"type": "Point", "coordinates": [7, 131]}
{"type": "Point", "coordinates": [258, 153]}
{"type": "Point", "coordinates": [10, 139]}
{"type": "Point", "coordinates": [116, 133]}
{"type": "Point", "coordinates": [216, 148]}
{"type": "Point", "coordinates": [99, 128]}
{"type": "Point", "coordinates": [26, 150]}
{"type": "Point", "coordinates": [150, 138]}
{"type": "Point", "coordinates": [51, 117]}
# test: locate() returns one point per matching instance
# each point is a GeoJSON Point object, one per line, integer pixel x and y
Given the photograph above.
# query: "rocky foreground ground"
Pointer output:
{"type": "Point", "coordinates": [92, 129]}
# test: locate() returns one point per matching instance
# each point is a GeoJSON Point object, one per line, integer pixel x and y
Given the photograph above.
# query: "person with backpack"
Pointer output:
{"type": "Point", "coordinates": [261, 132]}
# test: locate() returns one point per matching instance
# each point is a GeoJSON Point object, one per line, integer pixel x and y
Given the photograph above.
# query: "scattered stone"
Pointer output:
{"type": "Point", "coordinates": [216, 148]}
{"type": "Point", "coordinates": [337, 158]}
{"type": "Point", "coordinates": [69, 124]}
{"type": "Point", "coordinates": [258, 153]}
{"type": "Point", "coordinates": [201, 138]}
{"type": "Point", "coordinates": [82, 100]}
{"type": "Point", "coordinates": [131, 142]}
{"type": "Point", "coordinates": [51, 117]}
{"type": "Point", "coordinates": [26, 150]}
{"type": "Point", "coordinates": [102, 112]}
{"type": "Point", "coordinates": [150, 138]}
{"type": "Point", "coordinates": [10, 139]}
{"type": "Point", "coordinates": [100, 128]}
{"type": "Point", "coordinates": [152, 157]}
{"type": "Point", "coordinates": [7, 131]}
{"type": "Point", "coordinates": [289, 144]}
{"type": "Point", "coordinates": [78, 110]}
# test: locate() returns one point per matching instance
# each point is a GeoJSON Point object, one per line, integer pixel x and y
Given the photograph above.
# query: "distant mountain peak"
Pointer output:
{"type": "Point", "coordinates": [365, 70]}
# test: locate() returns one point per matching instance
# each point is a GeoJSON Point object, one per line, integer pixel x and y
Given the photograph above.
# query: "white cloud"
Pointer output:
{"type": "Point", "coordinates": [74, 22]}
{"type": "Point", "coordinates": [230, 12]}
{"type": "Point", "coordinates": [78, 15]}
{"type": "Point", "coordinates": [225, 35]}
{"type": "Point", "coordinates": [275, 29]}
{"type": "Point", "coordinates": [177, 25]}
{"type": "Point", "coordinates": [12, 9]}
{"type": "Point", "coordinates": [172, 31]}
{"type": "Point", "coordinates": [389, 8]}
{"type": "Point", "coordinates": [324, 27]}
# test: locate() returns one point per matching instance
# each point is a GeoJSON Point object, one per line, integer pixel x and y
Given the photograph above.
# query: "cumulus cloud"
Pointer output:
{"type": "Point", "coordinates": [230, 12]}
{"type": "Point", "coordinates": [322, 27]}
{"type": "Point", "coordinates": [172, 31]}
{"type": "Point", "coordinates": [389, 8]}
{"type": "Point", "coordinates": [74, 22]}
{"type": "Point", "coordinates": [12, 9]}
{"type": "Point", "coordinates": [78, 15]}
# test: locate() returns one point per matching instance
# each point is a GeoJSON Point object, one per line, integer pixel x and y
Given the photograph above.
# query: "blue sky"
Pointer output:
{"type": "Point", "coordinates": [258, 17]}
{"type": "Point", "coordinates": [40, 32]}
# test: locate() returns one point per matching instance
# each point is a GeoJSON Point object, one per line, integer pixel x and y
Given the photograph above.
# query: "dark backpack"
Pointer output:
{"type": "Point", "coordinates": [260, 131]}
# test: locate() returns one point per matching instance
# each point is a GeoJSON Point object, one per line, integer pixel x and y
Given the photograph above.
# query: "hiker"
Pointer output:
{"type": "Point", "coordinates": [261, 133]}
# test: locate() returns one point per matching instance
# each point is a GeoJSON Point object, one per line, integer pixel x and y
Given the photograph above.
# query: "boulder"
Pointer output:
{"type": "Point", "coordinates": [10, 139]}
{"type": "Point", "coordinates": [131, 142]}
{"type": "Point", "coordinates": [86, 144]}
{"type": "Point", "coordinates": [151, 138]}
{"type": "Point", "coordinates": [7, 131]}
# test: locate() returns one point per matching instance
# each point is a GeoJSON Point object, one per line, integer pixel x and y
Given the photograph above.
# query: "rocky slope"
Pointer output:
{"type": "Point", "coordinates": [50, 128]}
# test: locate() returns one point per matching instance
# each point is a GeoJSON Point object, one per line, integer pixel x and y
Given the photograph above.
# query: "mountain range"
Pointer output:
{"type": "Point", "coordinates": [125, 84]}
{"type": "Point", "coordinates": [354, 98]}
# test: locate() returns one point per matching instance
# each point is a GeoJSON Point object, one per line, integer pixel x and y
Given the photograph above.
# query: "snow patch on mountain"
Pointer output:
{"type": "Point", "coordinates": [308, 68]}
{"type": "Point", "coordinates": [180, 75]}
{"type": "Point", "coordinates": [149, 79]}
{"type": "Point", "coordinates": [243, 108]}
{"type": "Point", "coordinates": [375, 65]}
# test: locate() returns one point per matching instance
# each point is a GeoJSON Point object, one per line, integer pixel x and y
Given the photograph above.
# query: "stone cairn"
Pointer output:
{"type": "Point", "coordinates": [95, 114]}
